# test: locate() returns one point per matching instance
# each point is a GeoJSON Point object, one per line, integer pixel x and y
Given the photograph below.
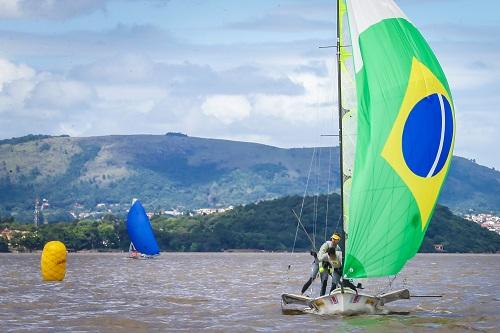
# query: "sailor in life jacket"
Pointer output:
{"type": "Point", "coordinates": [330, 263]}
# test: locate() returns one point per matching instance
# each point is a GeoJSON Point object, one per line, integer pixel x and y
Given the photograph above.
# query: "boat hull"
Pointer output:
{"type": "Point", "coordinates": [347, 302]}
{"type": "Point", "coordinates": [141, 256]}
{"type": "Point", "coordinates": [344, 302]}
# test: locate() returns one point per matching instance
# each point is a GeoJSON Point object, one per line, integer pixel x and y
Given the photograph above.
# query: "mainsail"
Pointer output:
{"type": "Point", "coordinates": [140, 230]}
{"type": "Point", "coordinates": [399, 133]}
{"type": "Point", "coordinates": [348, 108]}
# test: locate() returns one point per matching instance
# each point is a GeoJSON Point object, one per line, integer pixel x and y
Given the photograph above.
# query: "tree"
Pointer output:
{"type": "Point", "coordinates": [26, 240]}
{"type": "Point", "coordinates": [107, 235]}
{"type": "Point", "coordinates": [4, 246]}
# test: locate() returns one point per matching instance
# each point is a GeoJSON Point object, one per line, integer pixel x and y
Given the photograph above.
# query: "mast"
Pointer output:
{"type": "Point", "coordinates": [341, 166]}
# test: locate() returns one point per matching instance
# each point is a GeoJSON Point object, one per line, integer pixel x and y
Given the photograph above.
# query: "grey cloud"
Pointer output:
{"type": "Point", "coordinates": [60, 95]}
{"type": "Point", "coordinates": [479, 65]}
{"type": "Point", "coordinates": [78, 45]}
{"type": "Point", "coordinates": [56, 9]}
{"type": "Point", "coordinates": [325, 9]}
{"type": "Point", "coordinates": [157, 3]}
{"type": "Point", "coordinates": [317, 68]}
{"type": "Point", "coordinates": [185, 79]}
{"type": "Point", "coordinates": [129, 68]}
{"type": "Point", "coordinates": [462, 33]}
{"type": "Point", "coordinates": [284, 23]}
{"type": "Point", "coordinates": [63, 9]}
{"type": "Point", "coordinates": [137, 68]}
{"type": "Point", "coordinates": [248, 80]}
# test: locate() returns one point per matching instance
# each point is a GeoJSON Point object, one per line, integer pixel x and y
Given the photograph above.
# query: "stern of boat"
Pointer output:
{"type": "Point", "coordinates": [346, 303]}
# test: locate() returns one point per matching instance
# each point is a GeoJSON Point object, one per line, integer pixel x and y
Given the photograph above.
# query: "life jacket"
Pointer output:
{"type": "Point", "coordinates": [325, 265]}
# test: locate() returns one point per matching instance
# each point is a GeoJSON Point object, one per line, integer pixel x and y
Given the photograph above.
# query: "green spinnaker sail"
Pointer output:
{"type": "Point", "coordinates": [404, 139]}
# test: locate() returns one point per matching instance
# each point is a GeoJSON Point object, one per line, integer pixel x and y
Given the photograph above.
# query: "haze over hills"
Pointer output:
{"type": "Point", "coordinates": [176, 171]}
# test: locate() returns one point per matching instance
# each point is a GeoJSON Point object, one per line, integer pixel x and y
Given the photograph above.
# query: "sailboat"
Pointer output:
{"type": "Point", "coordinates": [396, 136]}
{"type": "Point", "coordinates": [143, 243]}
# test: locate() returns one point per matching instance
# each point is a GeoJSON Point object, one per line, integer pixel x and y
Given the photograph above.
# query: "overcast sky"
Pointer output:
{"type": "Point", "coordinates": [246, 70]}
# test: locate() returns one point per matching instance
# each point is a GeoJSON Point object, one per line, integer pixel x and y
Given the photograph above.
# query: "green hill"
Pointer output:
{"type": "Point", "coordinates": [458, 235]}
{"type": "Point", "coordinates": [267, 225]}
{"type": "Point", "coordinates": [271, 225]}
{"type": "Point", "coordinates": [177, 171]}
{"type": "Point", "coordinates": [471, 186]}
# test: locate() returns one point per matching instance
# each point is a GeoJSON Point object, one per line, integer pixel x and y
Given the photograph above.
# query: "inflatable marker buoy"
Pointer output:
{"type": "Point", "coordinates": [53, 261]}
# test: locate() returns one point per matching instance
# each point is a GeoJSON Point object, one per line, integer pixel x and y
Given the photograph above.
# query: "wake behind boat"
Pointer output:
{"type": "Point", "coordinates": [143, 243]}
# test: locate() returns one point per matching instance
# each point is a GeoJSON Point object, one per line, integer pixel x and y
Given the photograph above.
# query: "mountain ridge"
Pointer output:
{"type": "Point", "coordinates": [177, 171]}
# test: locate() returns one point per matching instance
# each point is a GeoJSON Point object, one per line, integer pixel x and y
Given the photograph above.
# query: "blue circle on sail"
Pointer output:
{"type": "Point", "coordinates": [428, 135]}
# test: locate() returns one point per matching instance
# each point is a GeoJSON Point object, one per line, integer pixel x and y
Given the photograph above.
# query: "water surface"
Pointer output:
{"type": "Point", "coordinates": [235, 292]}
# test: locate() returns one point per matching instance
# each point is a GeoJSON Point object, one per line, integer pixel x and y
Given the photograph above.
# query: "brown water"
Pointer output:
{"type": "Point", "coordinates": [229, 292]}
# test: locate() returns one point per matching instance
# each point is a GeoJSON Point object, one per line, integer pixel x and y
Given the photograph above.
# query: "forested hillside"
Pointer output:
{"type": "Point", "coordinates": [176, 171]}
{"type": "Point", "coordinates": [267, 225]}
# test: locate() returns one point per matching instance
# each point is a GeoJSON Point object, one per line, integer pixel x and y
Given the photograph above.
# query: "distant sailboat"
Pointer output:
{"type": "Point", "coordinates": [143, 243]}
{"type": "Point", "coordinates": [396, 121]}
{"type": "Point", "coordinates": [132, 252]}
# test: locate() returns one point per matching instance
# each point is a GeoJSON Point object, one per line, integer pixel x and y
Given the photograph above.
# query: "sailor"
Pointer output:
{"type": "Point", "coordinates": [314, 272]}
{"type": "Point", "coordinates": [330, 262]}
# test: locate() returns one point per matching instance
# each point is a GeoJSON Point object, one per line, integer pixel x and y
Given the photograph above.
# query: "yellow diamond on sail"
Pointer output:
{"type": "Point", "coordinates": [419, 146]}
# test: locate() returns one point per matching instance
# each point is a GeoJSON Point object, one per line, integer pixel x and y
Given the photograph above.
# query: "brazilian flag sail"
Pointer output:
{"type": "Point", "coordinates": [401, 141]}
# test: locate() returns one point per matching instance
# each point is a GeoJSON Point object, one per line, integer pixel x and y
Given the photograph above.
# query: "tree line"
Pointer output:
{"type": "Point", "coordinates": [268, 225]}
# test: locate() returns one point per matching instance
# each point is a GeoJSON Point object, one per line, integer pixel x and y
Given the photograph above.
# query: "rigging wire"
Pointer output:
{"type": "Point", "coordinates": [316, 198]}
{"type": "Point", "coordinates": [317, 165]}
{"type": "Point", "coordinates": [299, 223]}
{"type": "Point", "coordinates": [303, 200]}
{"type": "Point", "coordinates": [389, 284]}
{"type": "Point", "coordinates": [328, 191]}
{"type": "Point", "coordinates": [303, 228]}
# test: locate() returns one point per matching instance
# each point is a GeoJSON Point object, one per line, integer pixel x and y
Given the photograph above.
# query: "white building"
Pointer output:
{"type": "Point", "coordinates": [488, 221]}
{"type": "Point", "coordinates": [208, 211]}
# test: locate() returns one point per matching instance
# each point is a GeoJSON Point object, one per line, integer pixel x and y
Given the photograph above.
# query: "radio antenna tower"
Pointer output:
{"type": "Point", "coordinates": [36, 219]}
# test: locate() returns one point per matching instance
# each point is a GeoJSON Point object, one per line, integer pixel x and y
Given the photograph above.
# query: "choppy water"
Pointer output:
{"type": "Point", "coordinates": [233, 292]}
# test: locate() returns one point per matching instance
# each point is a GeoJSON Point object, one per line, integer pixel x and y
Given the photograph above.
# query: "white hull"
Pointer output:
{"type": "Point", "coordinates": [141, 256]}
{"type": "Point", "coordinates": [346, 303]}
{"type": "Point", "coordinates": [134, 254]}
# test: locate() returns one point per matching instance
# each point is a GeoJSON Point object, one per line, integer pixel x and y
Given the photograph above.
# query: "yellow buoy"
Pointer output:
{"type": "Point", "coordinates": [53, 261]}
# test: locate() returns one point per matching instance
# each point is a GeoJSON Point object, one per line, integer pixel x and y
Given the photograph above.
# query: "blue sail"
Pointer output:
{"type": "Point", "coordinates": [140, 230]}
